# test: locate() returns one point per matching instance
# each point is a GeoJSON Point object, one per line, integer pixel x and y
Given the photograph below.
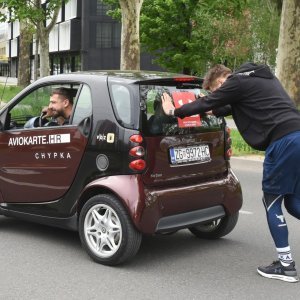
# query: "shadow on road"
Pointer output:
{"type": "Point", "coordinates": [154, 250]}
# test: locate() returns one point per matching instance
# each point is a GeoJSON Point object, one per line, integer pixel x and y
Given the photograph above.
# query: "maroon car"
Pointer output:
{"type": "Point", "coordinates": [121, 168]}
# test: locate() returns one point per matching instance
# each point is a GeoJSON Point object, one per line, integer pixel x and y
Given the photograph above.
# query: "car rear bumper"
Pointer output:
{"type": "Point", "coordinates": [184, 206]}
{"type": "Point", "coordinates": [156, 209]}
{"type": "Point", "coordinates": [188, 219]}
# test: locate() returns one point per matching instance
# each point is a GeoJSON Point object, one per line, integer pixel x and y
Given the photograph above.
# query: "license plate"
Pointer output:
{"type": "Point", "coordinates": [189, 154]}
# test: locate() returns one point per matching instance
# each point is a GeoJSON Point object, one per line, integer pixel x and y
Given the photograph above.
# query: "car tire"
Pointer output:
{"type": "Point", "coordinates": [215, 229]}
{"type": "Point", "coordinates": [106, 231]}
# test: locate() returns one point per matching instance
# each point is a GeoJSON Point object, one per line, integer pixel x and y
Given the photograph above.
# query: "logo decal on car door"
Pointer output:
{"type": "Point", "coordinates": [39, 140]}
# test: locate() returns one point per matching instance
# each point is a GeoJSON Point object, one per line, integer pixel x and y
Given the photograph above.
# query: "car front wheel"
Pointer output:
{"type": "Point", "coordinates": [106, 231]}
{"type": "Point", "coordinates": [217, 228]}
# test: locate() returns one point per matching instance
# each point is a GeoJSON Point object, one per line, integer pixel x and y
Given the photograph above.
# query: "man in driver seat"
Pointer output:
{"type": "Point", "coordinates": [60, 106]}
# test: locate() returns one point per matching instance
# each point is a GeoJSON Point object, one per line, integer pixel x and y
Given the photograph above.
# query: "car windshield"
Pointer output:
{"type": "Point", "coordinates": [155, 122]}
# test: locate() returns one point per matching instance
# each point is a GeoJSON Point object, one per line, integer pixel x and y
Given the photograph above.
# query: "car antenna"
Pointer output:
{"type": "Point", "coordinates": [3, 90]}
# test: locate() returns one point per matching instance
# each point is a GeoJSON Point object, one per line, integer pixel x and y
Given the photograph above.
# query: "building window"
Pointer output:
{"type": "Point", "coordinates": [70, 9]}
{"type": "Point", "coordinates": [65, 63]}
{"type": "Point", "coordinates": [105, 35]}
{"type": "Point", "coordinates": [56, 65]}
{"type": "Point", "coordinates": [117, 35]}
{"type": "Point", "coordinates": [14, 48]}
{"type": "Point", "coordinates": [67, 67]}
{"type": "Point", "coordinates": [53, 39]}
{"type": "Point", "coordinates": [76, 63]}
{"type": "Point", "coordinates": [16, 28]}
{"type": "Point", "coordinates": [64, 36]}
{"type": "Point", "coordinates": [98, 8]}
{"type": "Point", "coordinates": [101, 8]}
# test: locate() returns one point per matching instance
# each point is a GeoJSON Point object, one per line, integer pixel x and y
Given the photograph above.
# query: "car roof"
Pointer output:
{"type": "Point", "coordinates": [139, 77]}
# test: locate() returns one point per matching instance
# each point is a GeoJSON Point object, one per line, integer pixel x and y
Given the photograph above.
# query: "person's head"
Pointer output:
{"type": "Point", "coordinates": [215, 77]}
{"type": "Point", "coordinates": [61, 103]}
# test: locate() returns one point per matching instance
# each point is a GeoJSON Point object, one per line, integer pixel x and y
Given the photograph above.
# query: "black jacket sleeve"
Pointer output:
{"type": "Point", "coordinates": [228, 93]}
{"type": "Point", "coordinates": [222, 111]}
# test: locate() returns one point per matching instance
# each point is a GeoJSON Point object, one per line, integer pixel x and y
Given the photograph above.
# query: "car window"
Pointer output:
{"type": "Point", "coordinates": [30, 106]}
{"type": "Point", "coordinates": [122, 102]}
{"type": "Point", "coordinates": [83, 107]}
{"type": "Point", "coordinates": [24, 114]}
{"type": "Point", "coordinates": [157, 123]}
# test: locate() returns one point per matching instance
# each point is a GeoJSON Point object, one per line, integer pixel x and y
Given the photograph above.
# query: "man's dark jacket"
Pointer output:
{"type": "Point", "coordinates": [261, 108]}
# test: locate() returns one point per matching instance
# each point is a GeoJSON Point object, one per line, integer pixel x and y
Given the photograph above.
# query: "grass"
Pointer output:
{"type": "Point", "coordinates": [240, 147]}
{"type": "Point", "coordinates": [8, 92]}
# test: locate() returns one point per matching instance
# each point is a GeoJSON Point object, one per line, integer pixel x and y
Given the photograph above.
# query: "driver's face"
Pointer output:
{"type": "Point", "coordinates": [57, 105]}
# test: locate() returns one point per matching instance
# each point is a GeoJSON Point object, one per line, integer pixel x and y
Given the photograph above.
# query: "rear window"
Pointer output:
{"type": "Point", "coordinates": [155, 122]}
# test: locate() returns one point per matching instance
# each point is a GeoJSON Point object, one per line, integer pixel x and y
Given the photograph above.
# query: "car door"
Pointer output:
{"type": "Point", "coordinates": [38, 164]}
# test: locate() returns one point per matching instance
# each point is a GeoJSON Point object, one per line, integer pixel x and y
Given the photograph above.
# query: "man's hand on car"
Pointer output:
{"type": "Point", "coordinates": [167, 104]}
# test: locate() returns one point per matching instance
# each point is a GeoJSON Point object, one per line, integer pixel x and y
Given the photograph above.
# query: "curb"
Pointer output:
{"type": "Point", "coordinates": [250, 157]}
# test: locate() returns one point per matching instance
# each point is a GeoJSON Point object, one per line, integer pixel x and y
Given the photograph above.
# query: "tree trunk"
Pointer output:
{"type": "Point", "coordinates": [130, 35]}
{"type": "Point", "coordinates": [44, 53]}
{"type": "Point", "coordinates": [36, 59]}
{"type": "Point", "coordinates": [24, 54]}
{"type": "Point", "coordinates": [43, 32]}
{"type": "Point", "coordinates": [288, 57]}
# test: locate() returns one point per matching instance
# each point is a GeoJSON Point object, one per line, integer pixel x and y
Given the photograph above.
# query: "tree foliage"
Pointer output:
{"type": "Point", "coordinates": [35, 11]}
{"type": "Point", "coordinates": [189, 35]}
{"type": "Point", "coordinates": [42, 15]}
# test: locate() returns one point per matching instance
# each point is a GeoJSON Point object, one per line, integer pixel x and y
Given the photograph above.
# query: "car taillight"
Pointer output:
{"type": "Point", "coordinates": [137, 151]}
{"type": "Point", "coordinates": [136, 138]}
{"type": "Point", "coordinates": [137, 165]}
{"type": "Point", "coordinates": [184, 79]}
{"type": "Point", "coordinates": [228, 142]}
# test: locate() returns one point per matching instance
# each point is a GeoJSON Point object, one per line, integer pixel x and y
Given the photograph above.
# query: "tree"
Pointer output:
{"type": "Point", "coordinates": [288, 58]}
{"type": "Point", "coordinates": [190, 35]}
{"type": "Point", "coordinates": [185, 34]}
{"type": "Point", "coordinates": [46, 12]}
{"type": "Point", "coordinates": [25, 40]}
{"type": "Point", "coordinates": [130, 35]}
{"type": "Point", "coordinates": [128, 12]}
{"type": "Point", "coordinates": [265, 22]}
{"type": "Point", "coordinates": [24, 53]}
{"type": "Point", "coordinates": [42, 15]}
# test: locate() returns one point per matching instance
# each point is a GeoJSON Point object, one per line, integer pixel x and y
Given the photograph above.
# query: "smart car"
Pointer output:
{"type": "Point", "coordinates": [121, 168]}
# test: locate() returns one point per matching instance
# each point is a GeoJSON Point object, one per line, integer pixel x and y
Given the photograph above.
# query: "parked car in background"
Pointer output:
{"type": "Point", "coordinates": [120, 169]}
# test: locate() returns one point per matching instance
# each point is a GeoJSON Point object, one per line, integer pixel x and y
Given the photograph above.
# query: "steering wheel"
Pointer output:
{"type": "Point", "coordinates": [36, 122]}
{"type": "Point", "coordinates": [41, 123]}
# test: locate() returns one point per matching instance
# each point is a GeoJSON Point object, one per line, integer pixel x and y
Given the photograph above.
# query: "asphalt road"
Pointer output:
{"type": "Point", "coordinates": [39, 262]}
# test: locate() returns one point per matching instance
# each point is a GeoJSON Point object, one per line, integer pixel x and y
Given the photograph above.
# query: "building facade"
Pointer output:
{"type": "Point", "coordinates": [84, 38]}
{"type": "Point", "coordinates": [4, 66]}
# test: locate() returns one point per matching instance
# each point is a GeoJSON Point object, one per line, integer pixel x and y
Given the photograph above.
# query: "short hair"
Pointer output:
{"type": "Point", "coordinates": [64, 92]}
{"type": "Point", "coordinates": [215, 72]}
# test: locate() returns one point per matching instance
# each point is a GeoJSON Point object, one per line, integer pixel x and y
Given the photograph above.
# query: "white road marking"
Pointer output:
{"type": "Point", "coordinates": [245, 212]}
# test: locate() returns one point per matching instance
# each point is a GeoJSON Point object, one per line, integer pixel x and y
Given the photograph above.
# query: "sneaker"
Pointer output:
{"type": "Point", "coordinates": [277, 271]}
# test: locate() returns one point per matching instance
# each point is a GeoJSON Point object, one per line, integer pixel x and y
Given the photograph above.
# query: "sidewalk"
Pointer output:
{"type": "Point", "coordinates": [8, 80]}
{"type": "Point", "coordinates": [230, 123]}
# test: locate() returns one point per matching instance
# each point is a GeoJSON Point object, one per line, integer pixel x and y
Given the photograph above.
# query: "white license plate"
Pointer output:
{"type": "Point", "coordinates": [181, 155]}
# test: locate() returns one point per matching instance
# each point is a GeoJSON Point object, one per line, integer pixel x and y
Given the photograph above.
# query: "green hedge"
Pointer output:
{"type": "Point", "coordinates": [8, 92]}
{"type": "Point", "coordinates": [240, 147]}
